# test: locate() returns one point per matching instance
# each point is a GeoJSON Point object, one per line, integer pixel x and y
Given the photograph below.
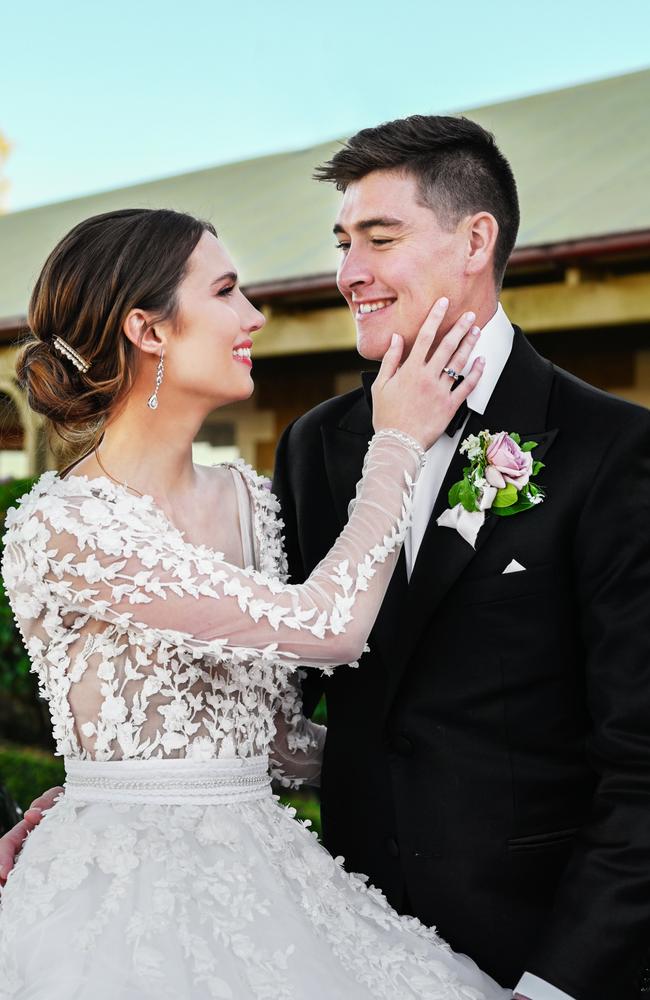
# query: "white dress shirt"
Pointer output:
{"type": "Point", "coordinates": [495, 345]}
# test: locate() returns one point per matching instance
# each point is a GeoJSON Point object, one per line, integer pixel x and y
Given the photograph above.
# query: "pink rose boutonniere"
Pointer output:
{"type": "Point", "coordinates": [507, 463]}
{"type": "Point", "coordinates": [498, 478]}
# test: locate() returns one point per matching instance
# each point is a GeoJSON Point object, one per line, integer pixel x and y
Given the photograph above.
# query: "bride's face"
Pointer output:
{"type": "Point", "coordinates": [208, 356]}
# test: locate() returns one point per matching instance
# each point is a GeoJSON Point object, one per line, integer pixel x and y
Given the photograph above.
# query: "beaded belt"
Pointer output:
{"type": "Point", "coordinates": [168, 782]}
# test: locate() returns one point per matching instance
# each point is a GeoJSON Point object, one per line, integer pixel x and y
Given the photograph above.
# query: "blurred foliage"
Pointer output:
{"type": "Point", "coordinates": [23, 716]}
{"type": "Point", "coordinates": [307, 805]}
{"type": "Point", "coordinates": [27, 772]}
{"type": "Point", "coordinates": [319, 714]}
{"type": "Point", "coordinates": [14, 662]}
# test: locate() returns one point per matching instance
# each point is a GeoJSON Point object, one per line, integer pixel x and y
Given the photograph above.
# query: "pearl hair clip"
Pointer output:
{"type": "Point", "coordinates": [64, 348]}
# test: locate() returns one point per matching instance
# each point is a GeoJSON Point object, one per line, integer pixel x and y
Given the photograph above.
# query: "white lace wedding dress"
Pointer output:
{"type": "Point", "coordinates": [168, 869]}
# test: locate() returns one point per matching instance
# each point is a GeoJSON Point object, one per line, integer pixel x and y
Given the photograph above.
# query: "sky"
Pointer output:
{"type": "Point", "coordinates": [95, 95]}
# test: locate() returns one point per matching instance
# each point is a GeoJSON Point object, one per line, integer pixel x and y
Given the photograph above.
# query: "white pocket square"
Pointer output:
{"type": "Point", "coordinates": [514, 567]}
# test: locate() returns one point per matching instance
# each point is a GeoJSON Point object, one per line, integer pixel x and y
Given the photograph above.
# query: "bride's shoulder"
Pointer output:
{"type": "Point", "coordinates": [62, 502]}
{"type": "Point", "coordinates": [267, 523]}
{"type": "Point", "coordinates": [259, 486]}
{"type": "Point", "coordinates": [45, 491]}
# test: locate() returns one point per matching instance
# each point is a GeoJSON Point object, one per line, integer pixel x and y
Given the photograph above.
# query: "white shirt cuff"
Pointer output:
{"type": "Point", "coordinates": [537, 989]}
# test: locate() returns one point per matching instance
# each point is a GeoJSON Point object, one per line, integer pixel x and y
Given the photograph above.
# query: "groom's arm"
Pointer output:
{"type": "Point", "coordinates": [595, 944]}
{"type": "Point", "coordinates": [285, 488]}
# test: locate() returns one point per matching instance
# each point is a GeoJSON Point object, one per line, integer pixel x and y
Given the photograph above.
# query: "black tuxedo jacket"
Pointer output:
{"type": "Point", "coordinates": [488, 763]}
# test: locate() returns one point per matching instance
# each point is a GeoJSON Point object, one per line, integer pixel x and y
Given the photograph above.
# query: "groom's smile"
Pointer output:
{"type": "Point", "coordinates": [368, 307]}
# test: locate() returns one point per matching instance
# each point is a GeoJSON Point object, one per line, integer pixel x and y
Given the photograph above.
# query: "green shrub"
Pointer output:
{"type": "Point", "coordinates": [12, 490]}
{"type": "Point", "coordinates": [14, 662]}
{"type": "Point", "coordinates": [26, 772]}
{"type": "Point", "coordinates": [23, 716]}
{"type": "Point", "coordinates": [307, 806]}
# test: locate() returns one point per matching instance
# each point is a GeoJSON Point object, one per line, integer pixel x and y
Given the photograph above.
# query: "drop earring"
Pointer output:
{"type": "Point", "coordinates": [152, 402]}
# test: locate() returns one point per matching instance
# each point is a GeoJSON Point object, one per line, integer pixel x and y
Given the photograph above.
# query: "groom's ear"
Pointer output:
{"type": "Point", "coordinates": [482, 230]}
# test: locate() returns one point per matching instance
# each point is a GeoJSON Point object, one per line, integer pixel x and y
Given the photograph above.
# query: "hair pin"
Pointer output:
{"type": "Point", "coordinates": [69, 352]}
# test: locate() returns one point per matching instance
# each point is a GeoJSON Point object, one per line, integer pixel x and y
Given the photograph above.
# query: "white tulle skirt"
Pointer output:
{"type": "Point", "coordinates": [177, 879]}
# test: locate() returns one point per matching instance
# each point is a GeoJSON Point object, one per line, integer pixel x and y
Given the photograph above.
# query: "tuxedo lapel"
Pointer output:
{"type": "Point", "coordinates": [519, 403]}
{"type": "Point", "coordinates": [344, 449]}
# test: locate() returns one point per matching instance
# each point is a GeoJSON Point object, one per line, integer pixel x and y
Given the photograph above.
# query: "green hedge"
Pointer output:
{"type": "Point", "coordinates": [14, 662]}
{"type": "Point", "coordinates": [307, 806]}
{"type": "Point", "coordinates": [26, 772]}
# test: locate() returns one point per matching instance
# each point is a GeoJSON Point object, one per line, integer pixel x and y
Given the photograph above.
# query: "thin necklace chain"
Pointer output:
{"type": "Point", "coordinates": [112, 478]}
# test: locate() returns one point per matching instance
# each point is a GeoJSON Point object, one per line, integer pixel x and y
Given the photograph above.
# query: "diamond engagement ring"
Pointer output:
{"type": "Point", "coordinates": [453, 375]}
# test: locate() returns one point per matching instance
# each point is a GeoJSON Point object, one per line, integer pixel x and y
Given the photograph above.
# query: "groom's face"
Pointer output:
{"type": "Point", "coordinates": [396, 260]}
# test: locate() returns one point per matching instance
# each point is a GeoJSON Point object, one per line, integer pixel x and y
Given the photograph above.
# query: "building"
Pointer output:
{"type": "Point", "coordinates": [578, 281]}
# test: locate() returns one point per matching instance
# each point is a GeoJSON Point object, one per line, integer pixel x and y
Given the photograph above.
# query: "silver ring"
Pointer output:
{"type": "Point", "coordinates": [452, 374]}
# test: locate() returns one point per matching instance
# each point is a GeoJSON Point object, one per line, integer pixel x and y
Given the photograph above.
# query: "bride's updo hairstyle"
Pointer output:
{"type": "Point", "coordinates": [105, 267]}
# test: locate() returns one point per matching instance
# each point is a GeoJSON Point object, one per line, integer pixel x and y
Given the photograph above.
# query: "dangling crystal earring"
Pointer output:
{"type": "Point", "coordinates": [152, 402]}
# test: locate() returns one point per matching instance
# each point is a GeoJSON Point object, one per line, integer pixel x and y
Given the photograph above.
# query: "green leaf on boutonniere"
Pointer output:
{"type": "Point", "coordinates": [467, 495]}
{"type": "Point", "coordinates": [515, 437]}
{"type": "Point", "coordinates": [505, 497]}
{"type": "Point", "coordinates": [454, 494]}
{"type": "Point", "coordinates": [537, 467]}
{"type": "Point", "coordinates": [529, 445]}
{"type": "Point", "coordinates": [516, 508]}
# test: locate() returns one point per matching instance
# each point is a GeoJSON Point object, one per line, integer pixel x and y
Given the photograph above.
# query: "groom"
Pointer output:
{"type": "Point", "coordinates": [488, 763]}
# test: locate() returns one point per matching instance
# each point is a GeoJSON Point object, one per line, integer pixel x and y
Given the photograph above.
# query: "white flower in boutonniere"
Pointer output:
{"type": "Point", "coordinates": [498, 479]}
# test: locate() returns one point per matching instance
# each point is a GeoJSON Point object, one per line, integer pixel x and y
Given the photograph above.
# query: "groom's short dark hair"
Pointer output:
{"type": "Point", "coordinates": [457, 164]}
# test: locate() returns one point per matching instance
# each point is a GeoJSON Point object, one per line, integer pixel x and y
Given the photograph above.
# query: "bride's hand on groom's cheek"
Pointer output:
{"type": "Point", "coordinates": [13, 841]}
{"type": "Point", "coordinates": [415, 396]}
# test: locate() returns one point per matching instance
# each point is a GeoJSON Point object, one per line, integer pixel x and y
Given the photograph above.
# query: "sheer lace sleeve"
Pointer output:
{"type": "Point", "coordinates": [117, 559]}
{"type": "Point", "coordinates": [296, 752]}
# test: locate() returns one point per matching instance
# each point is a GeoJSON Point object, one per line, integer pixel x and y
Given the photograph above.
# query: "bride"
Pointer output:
{"type": "Point", "coordinates": [152, 600]}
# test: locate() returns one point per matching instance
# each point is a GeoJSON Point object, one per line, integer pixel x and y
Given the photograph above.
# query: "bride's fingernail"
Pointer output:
{"type": "Point", "coordinates": [443, 302]}
{"type": "Point", "coordinates": [470, 317]}
{"type": "Point", "coordinates": [475, 331]}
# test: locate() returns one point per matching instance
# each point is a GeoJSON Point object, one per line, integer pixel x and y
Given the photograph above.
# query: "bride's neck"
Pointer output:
{"type": "Point", "coordinates": [151, 450]}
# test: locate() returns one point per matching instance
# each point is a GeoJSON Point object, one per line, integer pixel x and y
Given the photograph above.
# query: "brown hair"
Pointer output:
{"type": "Point", "coordinates": [457, 164]}
{"type": "Point", "coordinates": [106, 266]}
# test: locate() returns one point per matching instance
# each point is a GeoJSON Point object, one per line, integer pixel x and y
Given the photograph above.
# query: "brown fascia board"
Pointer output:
{"type": "Point", "coordinates": [315, 285]}
{"type": "Point", "coordinates": [571, 251]}
{"type": "Point", "coordinates": [13, 324]}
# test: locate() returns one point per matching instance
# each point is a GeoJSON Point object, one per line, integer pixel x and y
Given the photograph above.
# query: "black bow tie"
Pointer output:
{"type": "Point", "coordinates": [454, 425]}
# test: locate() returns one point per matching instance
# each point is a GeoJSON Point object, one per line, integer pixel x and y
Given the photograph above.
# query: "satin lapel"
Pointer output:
{"type": "Point", "coordinates": [519, 402]}
{"type": "Point", "coordinates": [344, 456]}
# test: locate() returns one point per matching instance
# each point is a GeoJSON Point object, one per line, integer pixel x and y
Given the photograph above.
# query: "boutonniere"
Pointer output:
{"type": "Point", "coordinates": [498, 479]}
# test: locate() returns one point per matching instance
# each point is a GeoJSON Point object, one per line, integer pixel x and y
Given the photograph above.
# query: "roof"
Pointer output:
{"type": "Point", "coordinates": [581, 157]}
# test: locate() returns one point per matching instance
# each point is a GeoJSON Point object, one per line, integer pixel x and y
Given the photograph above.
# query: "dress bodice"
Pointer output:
{"type": "Point", "coordinates": [146, 645]}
